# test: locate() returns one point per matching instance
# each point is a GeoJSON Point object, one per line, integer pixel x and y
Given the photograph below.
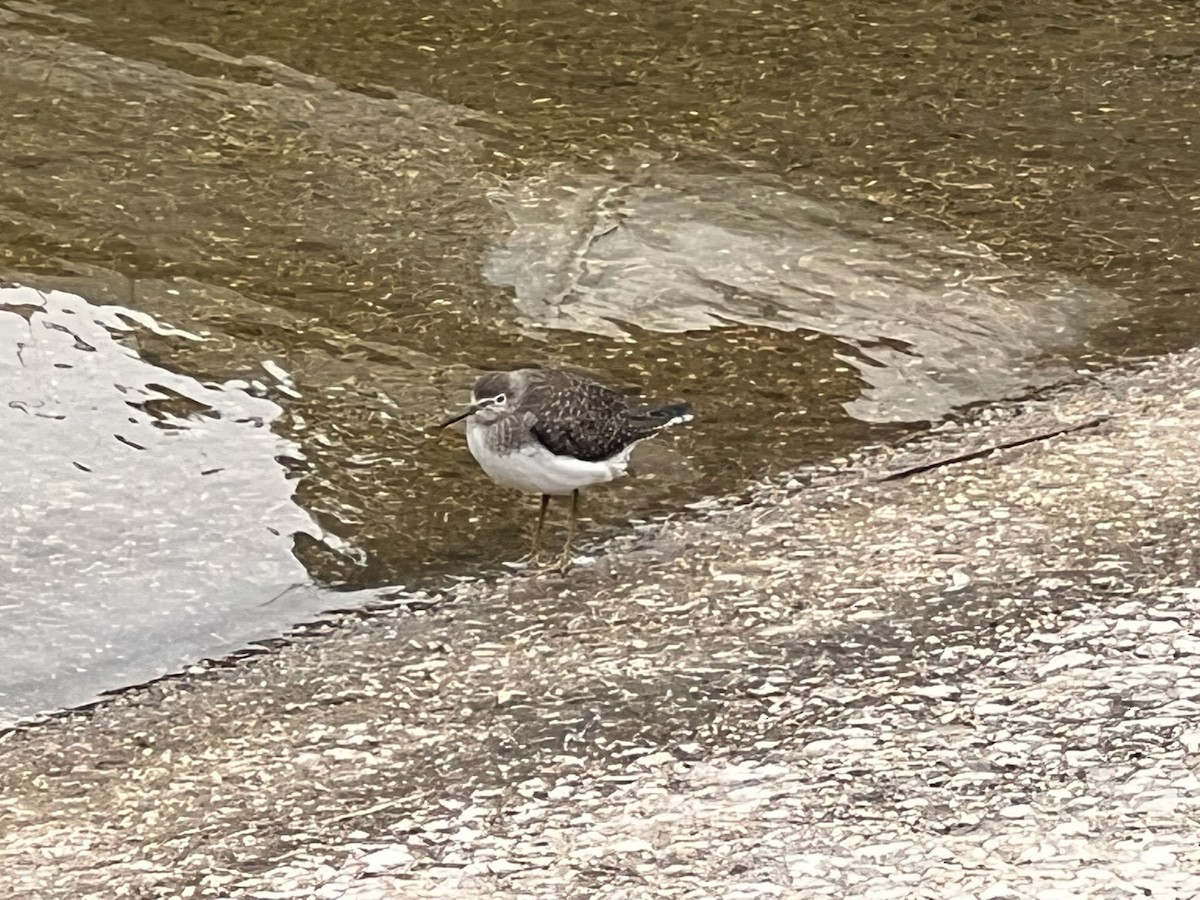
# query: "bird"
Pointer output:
{"type": "Point", "coordinates": [554, 432]}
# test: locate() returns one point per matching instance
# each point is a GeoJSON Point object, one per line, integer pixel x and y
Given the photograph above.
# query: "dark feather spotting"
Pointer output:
{"type": "Point", "coordinates": [572, 415]}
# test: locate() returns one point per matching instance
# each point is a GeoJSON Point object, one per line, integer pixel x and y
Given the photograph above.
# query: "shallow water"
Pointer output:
{"type": "Point", "coordinates": [297, 233]}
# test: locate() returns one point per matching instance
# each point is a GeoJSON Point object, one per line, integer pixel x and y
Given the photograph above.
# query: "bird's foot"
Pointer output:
{"type": "Point", "coordinates": [561, 563]}
{"type": "Point", "coordinates": [537, 562]}
{"type": "Point", "coordinates": [535, 559]}
{"type": "Point", "coordinates": [532, 558]}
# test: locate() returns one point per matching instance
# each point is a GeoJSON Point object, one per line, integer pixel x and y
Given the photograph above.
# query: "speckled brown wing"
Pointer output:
{"type": "Point", "coordinates": [581, 418]}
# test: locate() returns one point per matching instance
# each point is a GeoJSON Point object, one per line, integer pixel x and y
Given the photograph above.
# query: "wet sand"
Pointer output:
{"type": "Point", "coordinates": [979, 680]}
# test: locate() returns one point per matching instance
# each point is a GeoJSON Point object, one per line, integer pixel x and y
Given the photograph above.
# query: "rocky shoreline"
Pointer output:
{"type": "Point", "coordinates": [931, 671]}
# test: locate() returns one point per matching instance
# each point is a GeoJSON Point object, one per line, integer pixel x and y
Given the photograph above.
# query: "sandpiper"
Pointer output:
{"type": "Point", "coordinates": [553, 432]}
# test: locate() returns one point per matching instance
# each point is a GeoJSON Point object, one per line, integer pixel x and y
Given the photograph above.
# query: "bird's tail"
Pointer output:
{"type": "Point", "coordinates": [671, 414]}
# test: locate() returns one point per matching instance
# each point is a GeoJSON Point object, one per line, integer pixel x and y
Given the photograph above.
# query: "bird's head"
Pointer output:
{"type": "Point", "coordinates": [493, 399]}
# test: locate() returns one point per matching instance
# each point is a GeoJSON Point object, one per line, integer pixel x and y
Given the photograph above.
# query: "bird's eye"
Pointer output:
{"type": "Point", "coordinates": [499, 400]}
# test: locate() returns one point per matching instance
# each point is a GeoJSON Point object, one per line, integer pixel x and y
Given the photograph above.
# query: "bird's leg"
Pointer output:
{"type": "Point", "coordinates": [536, 550]}
{"type": "Point", "coordinates": [565, 560]}
{"type": "Point", "coordinates": [537, 534]}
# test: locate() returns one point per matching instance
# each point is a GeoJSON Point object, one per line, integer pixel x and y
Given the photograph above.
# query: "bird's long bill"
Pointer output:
{"type": "Point", "coordinates": [469, 411]}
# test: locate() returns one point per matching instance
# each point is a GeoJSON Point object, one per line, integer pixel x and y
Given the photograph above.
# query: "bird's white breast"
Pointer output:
{"type": "Point", "coordinates": [535, 470]}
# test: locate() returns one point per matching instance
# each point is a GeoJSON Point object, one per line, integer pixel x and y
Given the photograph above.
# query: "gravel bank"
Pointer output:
{"type": "Point", "coordinates": [978, 681]}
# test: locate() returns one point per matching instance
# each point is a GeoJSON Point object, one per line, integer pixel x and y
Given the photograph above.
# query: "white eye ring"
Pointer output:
{"type": "Point", "coordinates": [499, 399]}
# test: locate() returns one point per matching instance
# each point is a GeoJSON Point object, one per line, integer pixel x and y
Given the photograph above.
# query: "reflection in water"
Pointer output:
{"type": "Point", "coordinates": [146, 519]}
{"type": "Point", "coordinates": [931, 324]}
